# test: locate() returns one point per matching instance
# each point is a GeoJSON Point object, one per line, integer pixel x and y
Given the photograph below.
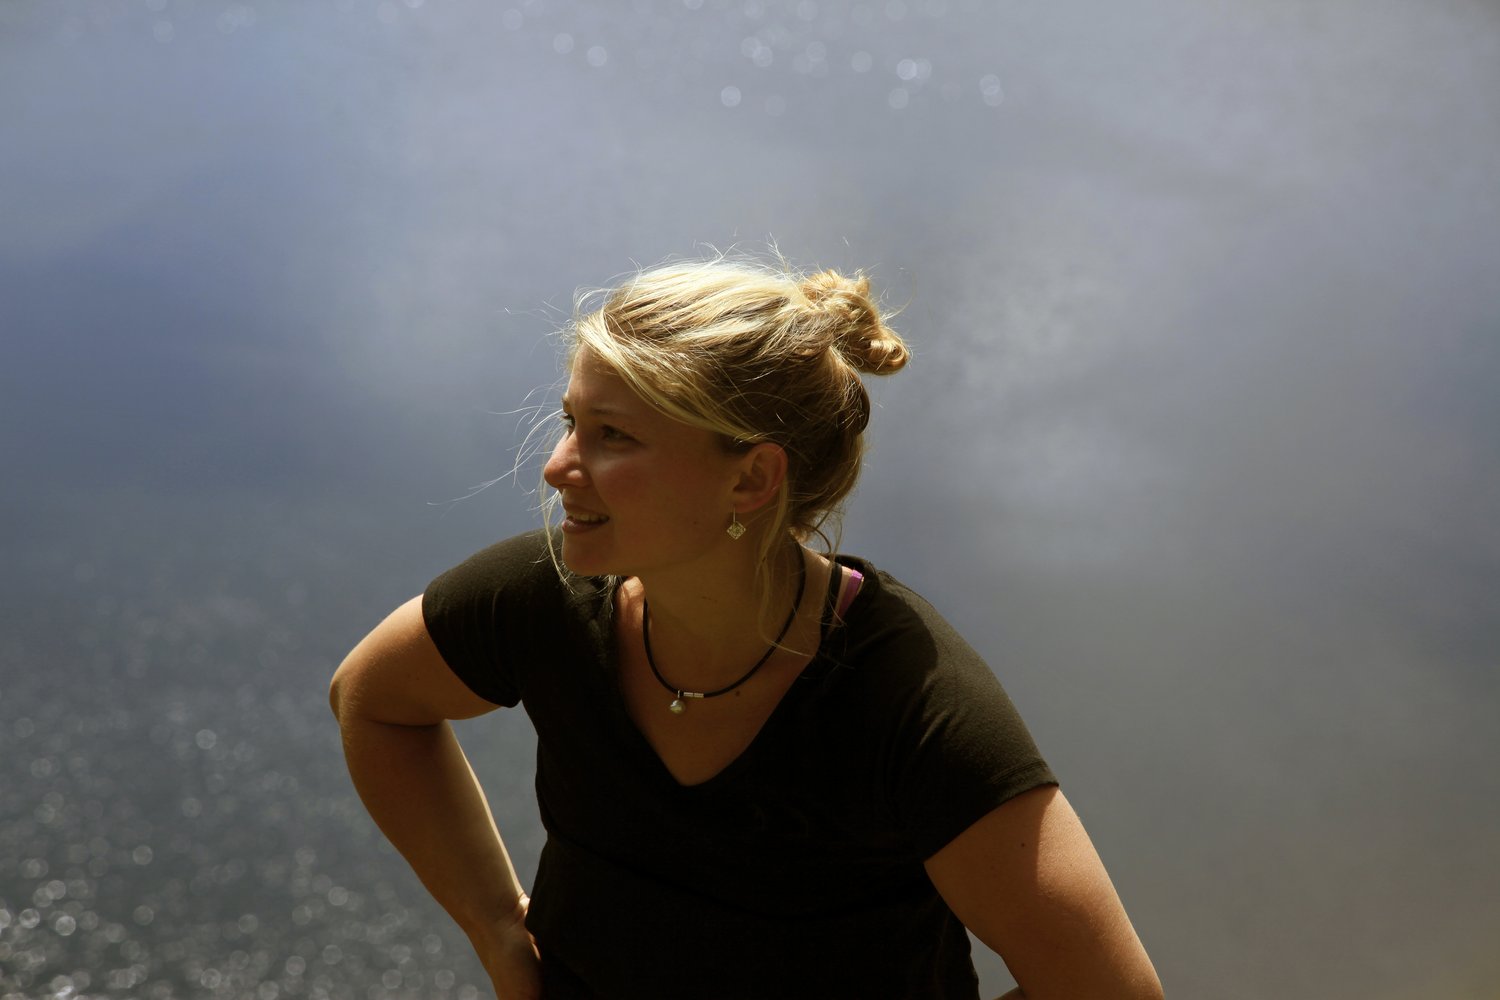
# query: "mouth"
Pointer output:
{"type": "Point", "coordinates": [582, 520]}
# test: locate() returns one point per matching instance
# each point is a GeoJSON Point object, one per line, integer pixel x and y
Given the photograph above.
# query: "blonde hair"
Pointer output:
{"type": "Point", "coordinates": [754, 352]}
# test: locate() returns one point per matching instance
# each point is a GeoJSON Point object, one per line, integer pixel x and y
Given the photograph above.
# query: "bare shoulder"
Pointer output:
{"type": "Point", "coordinates": [396, 675]}
{"type": "Point", "coordinates": [1026, 880]}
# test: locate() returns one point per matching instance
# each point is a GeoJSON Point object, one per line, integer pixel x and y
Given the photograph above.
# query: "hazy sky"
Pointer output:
{"type": "Point", "coordinates": [1200, 446]}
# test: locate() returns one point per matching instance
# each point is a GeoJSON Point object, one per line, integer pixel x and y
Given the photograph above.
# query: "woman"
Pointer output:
{"type": "Point", "coordinates": [764, 772]}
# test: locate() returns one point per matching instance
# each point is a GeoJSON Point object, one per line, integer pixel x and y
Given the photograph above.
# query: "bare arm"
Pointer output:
{"type": "Point", "coordinates": [393, 696]}
{"type": "Point", "coordinates": [1027, 881]}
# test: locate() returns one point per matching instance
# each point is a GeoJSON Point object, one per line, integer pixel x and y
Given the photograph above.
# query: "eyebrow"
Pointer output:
{"type": "Point", "coordinates": [605, 411]}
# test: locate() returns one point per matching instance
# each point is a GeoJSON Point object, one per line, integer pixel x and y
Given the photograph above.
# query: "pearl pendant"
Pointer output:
{"type": "Point", "coordinates": [677, 707]}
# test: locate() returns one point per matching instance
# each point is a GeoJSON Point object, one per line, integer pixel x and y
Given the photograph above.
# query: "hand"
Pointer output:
{"type": "Point", "coordinates": [510, 955]}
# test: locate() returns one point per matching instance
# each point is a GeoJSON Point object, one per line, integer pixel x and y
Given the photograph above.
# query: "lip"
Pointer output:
{"type": "Point", "coordinates": [579, 519]}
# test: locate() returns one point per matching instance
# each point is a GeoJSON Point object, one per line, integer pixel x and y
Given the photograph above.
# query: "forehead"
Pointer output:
{"type": "Point", "coordinates": [597, 389]}
{"type": "Point", "coordinates": [593, 383]}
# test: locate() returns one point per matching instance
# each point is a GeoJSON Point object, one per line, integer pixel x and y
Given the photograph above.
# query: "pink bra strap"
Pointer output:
{"type": "Point", "coordinates": [849, 590]}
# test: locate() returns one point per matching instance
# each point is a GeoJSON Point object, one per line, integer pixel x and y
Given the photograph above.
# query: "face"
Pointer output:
{"type": "Point", "coordinates": [642, 492]}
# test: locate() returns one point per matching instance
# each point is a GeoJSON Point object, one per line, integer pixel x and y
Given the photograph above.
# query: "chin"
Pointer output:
{"type": "Point", "coordinates": [580, 562]}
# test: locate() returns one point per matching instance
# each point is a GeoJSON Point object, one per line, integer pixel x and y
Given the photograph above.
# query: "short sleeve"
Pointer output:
{"type": "Point", "coordinates": [959, 747]}
{"type": "Point", "coordinates": [483, 613]}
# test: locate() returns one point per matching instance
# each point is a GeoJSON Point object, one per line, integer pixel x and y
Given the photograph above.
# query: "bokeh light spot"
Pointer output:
{"type": "Point", "coordinates": [989, 89]}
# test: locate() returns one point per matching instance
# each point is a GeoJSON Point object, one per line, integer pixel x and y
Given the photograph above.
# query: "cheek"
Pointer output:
{"type": "Point", "coordinates": [622, 482]}
{"type": "Point", "coordinates": [701, 503]}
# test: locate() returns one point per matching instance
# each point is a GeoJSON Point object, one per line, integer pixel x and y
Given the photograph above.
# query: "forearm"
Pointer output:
{"type": "Point", "coordinates": [417, 785]}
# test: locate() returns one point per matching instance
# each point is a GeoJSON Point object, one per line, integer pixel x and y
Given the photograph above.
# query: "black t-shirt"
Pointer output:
{"type": "Point", "coordinates": [794, 872]}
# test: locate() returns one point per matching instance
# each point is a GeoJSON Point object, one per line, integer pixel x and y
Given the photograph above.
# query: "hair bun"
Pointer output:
{"type": "Point", "coordinates": [853, 323]}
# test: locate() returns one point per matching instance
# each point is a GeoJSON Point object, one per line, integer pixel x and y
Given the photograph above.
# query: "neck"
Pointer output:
{"type": "Point", "coordinates": [710, 623]}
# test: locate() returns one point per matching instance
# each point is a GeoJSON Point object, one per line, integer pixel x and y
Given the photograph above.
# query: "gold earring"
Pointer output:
{"type": "Point", "coordinates": [735, 529]}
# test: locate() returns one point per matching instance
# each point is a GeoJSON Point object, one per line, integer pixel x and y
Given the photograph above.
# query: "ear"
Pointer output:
{"type": "Point", "coordinates": [762, 470]}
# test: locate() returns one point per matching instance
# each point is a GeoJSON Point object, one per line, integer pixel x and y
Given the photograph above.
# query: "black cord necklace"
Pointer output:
{"type": "Point", "coordinates": [678, 705]}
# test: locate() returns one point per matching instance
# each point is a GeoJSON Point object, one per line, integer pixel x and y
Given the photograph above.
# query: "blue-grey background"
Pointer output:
{"type": "Point", "coordinates": [1200, 445]}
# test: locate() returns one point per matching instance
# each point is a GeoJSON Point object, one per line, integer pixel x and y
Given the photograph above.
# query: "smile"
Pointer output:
{"type": "Point", "coordinates": [582, 520]}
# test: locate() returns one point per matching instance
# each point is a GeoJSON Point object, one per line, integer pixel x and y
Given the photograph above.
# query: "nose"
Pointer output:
{"type": "Point", "coordinates": [564, 468]}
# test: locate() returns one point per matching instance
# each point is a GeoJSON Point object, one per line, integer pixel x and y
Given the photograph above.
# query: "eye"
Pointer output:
{"type": "Point", "coordinates": [606, 432]}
